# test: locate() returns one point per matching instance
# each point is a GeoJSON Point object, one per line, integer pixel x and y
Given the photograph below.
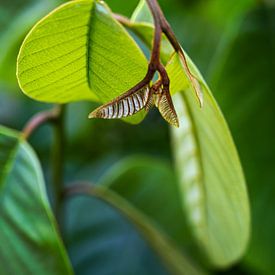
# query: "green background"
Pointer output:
{"type": "Point", "coordinates": [233, 45]}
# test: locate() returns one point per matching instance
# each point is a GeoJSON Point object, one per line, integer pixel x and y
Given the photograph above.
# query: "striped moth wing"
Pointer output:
{"type": "Point", "coordinates": [166, 108]}
{"type": "Point", "coordinates": [123, 106]}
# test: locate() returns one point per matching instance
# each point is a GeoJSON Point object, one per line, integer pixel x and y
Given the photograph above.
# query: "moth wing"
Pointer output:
{"type": "Point", "coordinates": [123, 106]}
{"type": "Point", "coordinates": [166, 108]}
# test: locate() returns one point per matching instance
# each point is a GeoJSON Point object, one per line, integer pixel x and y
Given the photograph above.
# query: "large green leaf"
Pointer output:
{"type": "Point", "coordinates": [91, 233]}
{"type": "Point", "coordinates": [213, 187]}
{"type": "Point", "coordinates": [211, 178]}
{"type": "Point", "coordinates": [29, 241]}
{"type": "Point", "coordinates": [79, 52]}
{"type": "Point", "coordinates": [247, 99]}
{"type": "Point", "coordinates": [15, 22]}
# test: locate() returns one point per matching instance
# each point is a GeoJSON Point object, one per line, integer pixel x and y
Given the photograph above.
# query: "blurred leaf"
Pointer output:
{"type": "Point", "coordinates": [247, 99]}
{"type": "Point", "coordinates": [12, 31]}
{"type": "Point", "coordinates": [220, 223]}
{"type": "Point", "coordinates": [91, 238]}
{"type": "Point", "coordinates": [207, 29]}
{"type": "Point", "coordinates": [211, 179]}
{"type": "Point", "coordinates": [101, 241]}
{"type": "Point", "coordinates": [79, 52]}
{"type": "Point", "coordinates": [29, 241]}
{"type": "Point", "coordinates": [147, 183]}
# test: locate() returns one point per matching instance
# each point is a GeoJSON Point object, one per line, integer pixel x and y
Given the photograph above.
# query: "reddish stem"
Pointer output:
{"type": "Point", "coordinates": [39, 119]}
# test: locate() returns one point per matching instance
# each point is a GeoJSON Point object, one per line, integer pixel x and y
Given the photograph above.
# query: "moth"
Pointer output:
{"type": "Point", "coordinates": [144, 98]}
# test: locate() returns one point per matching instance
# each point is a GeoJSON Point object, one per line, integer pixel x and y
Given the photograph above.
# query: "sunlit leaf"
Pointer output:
{"type": "Point", "coordinates": [29, 240]}
{"type": "Point", "coordinates": [211, 179]}
{"type": "Point", "coordinates": [79, 52]}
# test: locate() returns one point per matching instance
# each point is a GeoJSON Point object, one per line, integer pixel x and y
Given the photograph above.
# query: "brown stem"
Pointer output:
{"type": "Point", "coordinates": [162, 23]}
{"type": "Point", "coordinates": [56, 116]}
{"type": "Point", "coordinates": [39, 119]}
{"type": "Point", "coordinates": [58, 162]}
{"type": "Point", "coordinates": [166, 29]}
{"type": "Point", "coordinates": [154, 64]}
{"type": "Point", "coordinates": [161, 26]}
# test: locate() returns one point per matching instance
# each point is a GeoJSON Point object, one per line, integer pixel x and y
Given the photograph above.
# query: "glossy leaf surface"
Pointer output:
{"type": "Point", "coordinates": [29, 240]}
{"type": "Point", "coordinates": [79, 52]}
{"type": "Point", "coordinates": [211, 179]}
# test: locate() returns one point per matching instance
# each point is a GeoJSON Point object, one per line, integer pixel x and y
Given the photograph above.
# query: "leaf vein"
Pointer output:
{"type": "Point", "coordinates": [50, 61]}
{"type": "Point", "coordinates": [62, 78]}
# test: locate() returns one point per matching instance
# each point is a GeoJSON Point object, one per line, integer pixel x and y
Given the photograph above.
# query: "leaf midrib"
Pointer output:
{"type": "Point", "coordinates": [89, 40]}
{"type": "Point", "coordinates": [198, 153]}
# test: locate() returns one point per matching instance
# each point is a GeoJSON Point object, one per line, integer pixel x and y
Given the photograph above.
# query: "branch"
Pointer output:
{"type": "Point", "coordinates": [167, 30]}
{"type": "Point", "coordinates": [39, 119]}
{"type": "Point", "coordinates": [161, 22]}
{"type": "Point", "coordinates": [58, 162]}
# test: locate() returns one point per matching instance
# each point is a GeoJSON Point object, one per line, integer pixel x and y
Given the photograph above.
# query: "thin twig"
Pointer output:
{"type": "Point", "coordinates": [58, 162]}
{"type": "Point", "coordinates": [163, 26]}
{"type": "Point", "coordinates": [56, 116]}
{"type": "Point", "coordinates": [38, 120]}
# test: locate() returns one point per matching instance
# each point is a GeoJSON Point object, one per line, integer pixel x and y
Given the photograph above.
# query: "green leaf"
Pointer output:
{"type": "Point", "coordinates": [142, 13]}
{"type": "Point", "coordinates": [12, 32]}
{"type": "Point", "coordinates": [99, 241]}
{"type": "Point", "coordinates": [29, 241]}
{"type": "Point", "coordinates": [247, 100]}
{"type": "Point", "coordinates": [174, 261]}
{"type": "Point", "coordinates": [220, 223]}
{"type": "Point", "coordinates": [136, 178]}
{"type": "Point", "coordinates": [79, 52]}
{"type": "Point", "coordinates": [211, 179]}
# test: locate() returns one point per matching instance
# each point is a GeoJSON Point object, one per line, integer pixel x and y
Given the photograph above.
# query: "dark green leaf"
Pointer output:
{"type": "Point", "coordinates": [91, 224]}
{"type": "Point", "coordinates": [29, 240]}
{"type": "Point", "coordinates": [211, 179]}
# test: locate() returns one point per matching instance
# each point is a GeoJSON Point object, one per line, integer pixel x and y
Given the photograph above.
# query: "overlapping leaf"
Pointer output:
{"type": "Point", "coordinates": [212, 184]}
{"type": "Point", "coordinates": [106, 228]}
{"type": "Point", "coordinates": [79, 52]}
{"type": "Point", "coordinates": [29, 241]}
{"type": "Point", "coordinates": [151, 176]}
{"type": "Point", "coordinates": [210, 175]}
